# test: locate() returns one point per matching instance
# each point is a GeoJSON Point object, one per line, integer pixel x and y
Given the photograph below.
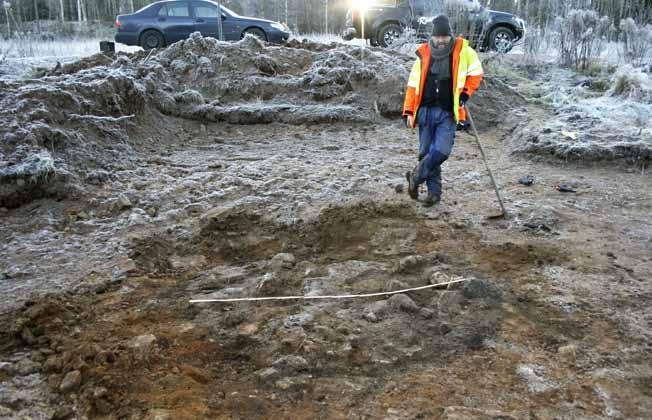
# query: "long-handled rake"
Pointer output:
{"type": "Point", "coordinates": [486, 163]}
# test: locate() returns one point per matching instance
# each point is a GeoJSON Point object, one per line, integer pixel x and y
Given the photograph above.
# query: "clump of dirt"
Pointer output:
{"type": "Point", "coordinates": [74, 67]}
{"type": "Point", "coordinates": [34, 176]}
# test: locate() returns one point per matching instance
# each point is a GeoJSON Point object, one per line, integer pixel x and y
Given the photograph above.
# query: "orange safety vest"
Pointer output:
{"type": "Point", "coordinates": [467, 75]}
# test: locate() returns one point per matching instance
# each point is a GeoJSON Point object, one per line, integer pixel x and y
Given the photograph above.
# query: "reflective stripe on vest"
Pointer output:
{"type": "Point", "coordinates": [468, 64]}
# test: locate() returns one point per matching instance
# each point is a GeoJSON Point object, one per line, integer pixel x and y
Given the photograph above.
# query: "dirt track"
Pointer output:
{"type": "Point", "coordinates": [553, 323]}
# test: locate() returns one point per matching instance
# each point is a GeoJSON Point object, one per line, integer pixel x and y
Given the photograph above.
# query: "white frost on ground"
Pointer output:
{"type": "Point", "coordinates": [21, 56]}
{"type": "Point", "coordinates": [588, 123]}
{"type": "Point", "coordinates": [326, 38]}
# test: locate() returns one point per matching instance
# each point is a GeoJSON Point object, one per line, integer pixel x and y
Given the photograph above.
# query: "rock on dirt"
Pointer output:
{"type": "Point", "coordinates": [268, 375]}
{"type": "Point", "coordinates": [143, 343]}
{"type": "Point", "coordinates": [409, 263]}
{"type": "Point", "coordinates": [71, 381]}
{"type": "Point", "coordinates": [474, 289]}
{"type": "Point", "coordinates": [534, 377]}
{"type": "Point", "coordinates": [376, 311]}
{"type": "Point", "coordinates": [283, 260]}
{"type": "Point", "coordinates": [568, 352]}
{"type": "Point", "coordinates": [290, 364]}
{"type": "Point", "coordinates": [403, 303]}
{"type": "Point", "coordinates": [122, 202]}
{"type": "Point", "coordinates": [26, 367]}
{"type": "Point", "coordinates": [63, 413]}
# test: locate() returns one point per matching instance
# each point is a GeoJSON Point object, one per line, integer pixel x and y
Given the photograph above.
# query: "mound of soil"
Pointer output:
{"type": "Point", "coordinates": [95, 116]}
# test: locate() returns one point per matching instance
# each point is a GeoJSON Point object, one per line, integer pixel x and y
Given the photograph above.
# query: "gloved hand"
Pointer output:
{"type": "Point", "coordinates": [463, 98]}
{"type": "Point", "coordinates": [407, 121]}
{"type": "Point", "coordinates": [463, 125]}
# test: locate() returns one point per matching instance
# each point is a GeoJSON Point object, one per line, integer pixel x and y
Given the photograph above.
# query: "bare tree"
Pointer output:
{"type": "Point", "coordinates": [637, 43]}
{"type": "Point", "coordinates": [37, 17]}
{"type": "Point", "coordinates": [6, 5]}
{"type": "Point", "coordinates": [581, 36]}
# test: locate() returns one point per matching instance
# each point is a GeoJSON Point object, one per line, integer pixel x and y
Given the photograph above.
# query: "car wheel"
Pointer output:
{"type": "Point", "coordinates": [501, 40]}
{"type": "Point", "coordinates": [388, 34]}
{"type": "Point", "coordinates": [258, 33]}
{"type": "Point", "coordinates": [152, 39]}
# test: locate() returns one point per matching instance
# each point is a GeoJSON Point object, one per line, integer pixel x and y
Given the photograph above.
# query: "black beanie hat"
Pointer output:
{"type": "Point", "coordinates": [441, 26]}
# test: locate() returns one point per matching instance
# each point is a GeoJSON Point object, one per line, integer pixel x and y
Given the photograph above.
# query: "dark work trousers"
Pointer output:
{"type": "Point", "coordinates": [436, 139]}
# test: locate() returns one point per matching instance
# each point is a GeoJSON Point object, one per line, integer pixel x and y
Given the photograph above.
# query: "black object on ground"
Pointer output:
{"type": "Point", "coordinates": [107, 47]}
{"type": "Point", "coordinates": [526, 180]}
{"type": "Point", "coordinates": [537, 226]}
{"type": "Point", "coordinates": [565, 189]}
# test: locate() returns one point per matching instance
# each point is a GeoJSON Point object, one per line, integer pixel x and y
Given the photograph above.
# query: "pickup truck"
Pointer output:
{"type": "Point", "coordinates": [386, 20]}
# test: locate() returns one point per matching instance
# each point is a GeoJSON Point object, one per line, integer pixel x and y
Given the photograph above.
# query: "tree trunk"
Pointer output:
{"type": "Point", "coordinates": [36, 16]}
{"type": "Point", "coordinates": [124, 6]}
{"type": "Point", "coordinates": [20, 15]}
{"type": "Point", "coordinates": [62, 10]}
{"type": "Point", "coordinates": [8, 24]}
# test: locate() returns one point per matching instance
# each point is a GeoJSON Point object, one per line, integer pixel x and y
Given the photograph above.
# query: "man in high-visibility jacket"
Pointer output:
{"type": "Point", "coordinates": [443, 78]}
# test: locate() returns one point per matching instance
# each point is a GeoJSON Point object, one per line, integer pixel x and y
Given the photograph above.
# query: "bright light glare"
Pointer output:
{"type": "Point", "coordinates": [362, 4]}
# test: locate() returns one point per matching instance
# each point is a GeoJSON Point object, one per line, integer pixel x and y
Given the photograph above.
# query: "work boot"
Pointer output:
{"type": "Point", "coordinates": [431, 199]}
{"type": "Point", "coordinates": [413, 187]}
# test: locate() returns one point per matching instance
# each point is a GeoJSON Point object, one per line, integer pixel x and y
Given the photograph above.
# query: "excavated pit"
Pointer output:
{"type": "Point", "coordinates": [138, 343]}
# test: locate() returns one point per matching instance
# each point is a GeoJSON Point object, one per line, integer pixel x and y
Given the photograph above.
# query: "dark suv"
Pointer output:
{"type": "Point", "coordinates": [385, 21]}
{"type": "Point", "coordinates": [165, 22]}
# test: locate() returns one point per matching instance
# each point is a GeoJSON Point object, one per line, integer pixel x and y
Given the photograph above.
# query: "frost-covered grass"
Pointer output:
{"type": "Point", "coordinates": [584, 39]}
{"type": "Point", "coordinates": [611, 53]}
{"type": "Point", "coordinates": [23, 54]}
{"type": "Point", "coordinates": [321, 38]}
{"type": "Point", "coordinates": [326, 38]}
{"type": "Point", "coordinates": [604, 115]}
{"type": "Point", "coordinates": [632, 83]}
{"type": "Point", "coordinates": [59, 48]}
